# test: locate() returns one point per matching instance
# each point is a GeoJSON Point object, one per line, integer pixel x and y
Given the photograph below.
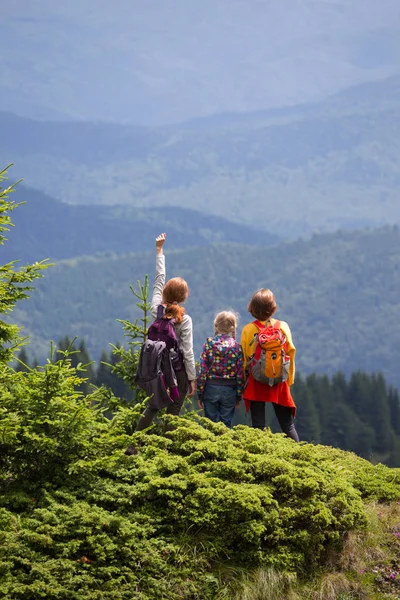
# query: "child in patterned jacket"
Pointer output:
{"type": "Point", "coordinates": [221, 376]}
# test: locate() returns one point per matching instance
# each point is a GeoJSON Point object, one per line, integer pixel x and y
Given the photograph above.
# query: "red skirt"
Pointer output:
{"type": "Point", "coordinates": [261, 392]}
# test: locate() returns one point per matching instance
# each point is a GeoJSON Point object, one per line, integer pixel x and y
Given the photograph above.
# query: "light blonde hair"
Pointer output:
{"type": "Point", "coordinates": [226, 322]}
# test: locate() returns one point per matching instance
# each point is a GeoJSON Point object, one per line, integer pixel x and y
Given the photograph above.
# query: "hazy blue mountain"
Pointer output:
{"type": "Point", "coordinates": [339, 292]}
{"type": "Point", "coordinates": [167, 61]}
{"type": "Point", "coordinates": [46, 227]}
{"type": "Point", "coordinates": [323, 166]}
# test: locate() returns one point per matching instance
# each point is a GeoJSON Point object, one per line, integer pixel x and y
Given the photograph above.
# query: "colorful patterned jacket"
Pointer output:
{"type": "Point", "coordinates": [221, 358]}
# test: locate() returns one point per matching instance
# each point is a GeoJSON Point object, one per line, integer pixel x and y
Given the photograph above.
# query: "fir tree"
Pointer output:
{"type": "Point", "coordinates": [15, 284]}
{"type": "Point", "coordinates": [22, 361]}
{"type": "Point", "coordinates": [80, 360]}
{"type": "Point", "coordinates": [394, 408]}
{"type": "Point", "coordinates": [307, 422]}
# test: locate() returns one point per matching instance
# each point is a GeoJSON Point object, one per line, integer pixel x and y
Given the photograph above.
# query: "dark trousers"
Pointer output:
{"type": "Point", "coordinates": [283, 414]}
{"type": "Point", "coordinates": [173, 409]}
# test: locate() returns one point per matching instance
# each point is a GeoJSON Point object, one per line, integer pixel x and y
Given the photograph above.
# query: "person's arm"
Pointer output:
{"type": "Point", "coordinates": [246, 339]}
{"type": "Point", "coordinates": [159, 281]}
{"type": "Point", "coordinates": [202, 376]}
{"type": "Point", "coordinates": [239, 376]}
{"type": "Point", "coordinates": [186, 345]}
{"type": "Point", "coordinates": [290, 350]}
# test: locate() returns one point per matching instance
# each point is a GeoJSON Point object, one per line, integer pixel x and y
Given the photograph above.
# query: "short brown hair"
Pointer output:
{"type": "Point", "coordinates": [225, 322]}
{"type": "Point", "coordinates": [262, 305]}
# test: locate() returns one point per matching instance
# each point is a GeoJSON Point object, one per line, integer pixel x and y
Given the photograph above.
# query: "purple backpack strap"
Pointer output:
{"type": "Point", "coordinates": [161, 313]}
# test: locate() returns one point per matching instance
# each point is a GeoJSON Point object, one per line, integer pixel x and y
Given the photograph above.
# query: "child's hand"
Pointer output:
{"type": "Point", "coordinates": [237, 403]}
{"type": "Point", "coordinates": [160, 239]}
{"type": "Point", "coordinates": [201, 405]}
{"type": "Point", "coordinates": [192, 389]}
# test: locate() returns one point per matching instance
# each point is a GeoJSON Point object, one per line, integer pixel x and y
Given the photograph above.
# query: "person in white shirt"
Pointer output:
{"type": "Point", "coordinates": [171, 295]}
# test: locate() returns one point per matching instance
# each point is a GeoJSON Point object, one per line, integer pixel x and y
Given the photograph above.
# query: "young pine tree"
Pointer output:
{"type": "Point", "coordinates": [46, 423]}
{"type": "Point", "coordinates": [15, 283]}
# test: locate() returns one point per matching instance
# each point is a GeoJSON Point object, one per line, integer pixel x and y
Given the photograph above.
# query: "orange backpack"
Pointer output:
{"type": "Point", "coordinates": [269, 363]}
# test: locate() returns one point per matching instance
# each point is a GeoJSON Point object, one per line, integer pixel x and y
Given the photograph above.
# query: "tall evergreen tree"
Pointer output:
{"type": "Point", "coordinates": [307, 422]}
{"type": "Point", "coordinates": [15, 284]}
{"type": "Point", "coordinates": [377, 413]}
{"type": "Point", "coordinates": [22, 361]}
{"type": "Point", "coordinates": [107, 375]}
{"type": "Point", "coordinates": [394, 408]}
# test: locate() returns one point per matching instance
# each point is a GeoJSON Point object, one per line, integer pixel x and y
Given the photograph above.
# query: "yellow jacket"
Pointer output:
{"type": "Point", "coordinates": [248, 350]}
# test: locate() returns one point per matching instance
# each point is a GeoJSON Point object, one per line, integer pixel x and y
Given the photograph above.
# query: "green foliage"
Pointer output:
{"type": "Point", "coordinates": [80, 360]}
{"type": "Point", "coordinates": [14, 283]}
{"type": "Point", "coordinates": [67, 548]}
{"type": "Point", "coordinates": [45, 422]}
{"type": "Point", "coordinates": [196, 495]}
{"type": "Point", "coordinates": [80, 519]}
{"type": "Point", "coordinates": [106, 376]}
{"type": "Point", "coordinates": [136, 332]}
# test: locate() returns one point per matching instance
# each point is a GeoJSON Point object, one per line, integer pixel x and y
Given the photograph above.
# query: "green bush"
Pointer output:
{"type": "Point", "coordinates": [194, 497]}
{"type": "Point", "coordinates": [196, 503]}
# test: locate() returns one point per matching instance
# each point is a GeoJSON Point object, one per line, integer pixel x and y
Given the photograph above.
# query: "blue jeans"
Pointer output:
{"type": "Point", "coordinates": [219, 403]}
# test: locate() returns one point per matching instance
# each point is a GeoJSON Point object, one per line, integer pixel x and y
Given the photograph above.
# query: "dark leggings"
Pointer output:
{"type": "Point", "coordinates": [283, 414]}
{"type": "Point", "coordinates": [173, 409]}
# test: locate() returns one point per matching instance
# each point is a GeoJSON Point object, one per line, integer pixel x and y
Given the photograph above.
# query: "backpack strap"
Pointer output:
{"type": "Point", "coordinates": [161, 313]}
{"type": "Point", "coordinates": [259, 325]}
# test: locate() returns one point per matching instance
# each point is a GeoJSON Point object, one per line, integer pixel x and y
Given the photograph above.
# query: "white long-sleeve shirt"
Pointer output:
{"type": "Point", "coordinates": [184, 330]}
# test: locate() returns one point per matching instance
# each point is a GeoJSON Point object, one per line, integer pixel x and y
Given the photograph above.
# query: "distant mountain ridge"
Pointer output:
{"type": "Point", "coordinates": [322, 167]}
{"type": "Point", "coordinates": [171, 61]}
{"type": "Point", "coordinates": [48, 228]}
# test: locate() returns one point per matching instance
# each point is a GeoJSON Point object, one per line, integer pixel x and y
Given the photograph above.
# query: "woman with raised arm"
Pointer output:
{"type": "Point", "coordinates": [170, 296]}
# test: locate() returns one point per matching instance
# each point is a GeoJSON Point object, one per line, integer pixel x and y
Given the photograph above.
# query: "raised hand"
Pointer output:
{"type": "Point", "coordinates": [160, 239]}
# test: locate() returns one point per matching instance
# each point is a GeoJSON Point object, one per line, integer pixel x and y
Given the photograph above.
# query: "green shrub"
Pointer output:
{"type": "Point", "coordinates": [80, 520]}
{"type": "Point", "coordinates": [159, 523]}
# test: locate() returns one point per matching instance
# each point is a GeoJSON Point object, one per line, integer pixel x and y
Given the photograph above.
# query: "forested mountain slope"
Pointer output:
{"type": "Point", "coordinates": [47, 228]}
{"type": "Point", "coordinates": [320, 167]}
{"type": "Point", "coordinates": [339, 292]}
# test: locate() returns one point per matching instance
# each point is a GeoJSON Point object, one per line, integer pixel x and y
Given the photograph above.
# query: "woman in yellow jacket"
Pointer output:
{"type": "Point", "coordinates": [262, 306]}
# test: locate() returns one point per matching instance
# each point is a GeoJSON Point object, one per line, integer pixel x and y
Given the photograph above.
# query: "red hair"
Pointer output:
{"type": "Point", "coordinates": [176, 290]}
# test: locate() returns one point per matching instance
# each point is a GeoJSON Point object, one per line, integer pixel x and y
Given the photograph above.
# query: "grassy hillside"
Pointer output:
{"type": "Point", "coordinates": [320, 167]}
{"type": "Point", "coordinates": [170, 61]}
{"type": "Point", "coordinates": [45, 227]}
{"type": "Point", "coordinates": [339, 293]}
